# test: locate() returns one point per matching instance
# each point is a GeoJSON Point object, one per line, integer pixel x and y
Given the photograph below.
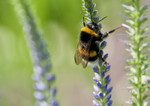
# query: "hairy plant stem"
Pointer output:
{"type": "Point", "coordinates": [138, 64]}
{"type": "Point", "coordinates": [139, 94]}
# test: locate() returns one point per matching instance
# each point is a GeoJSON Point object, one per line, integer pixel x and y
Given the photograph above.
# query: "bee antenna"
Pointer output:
{"type": "Point", "coordinates": [83, 21]}
{"type": "Point", "coordinates": [102, 19]}
{"type": "Point", "coordinates": [111, 31]}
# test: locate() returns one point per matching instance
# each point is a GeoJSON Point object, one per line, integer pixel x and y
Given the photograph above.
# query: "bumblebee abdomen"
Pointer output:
{"type": "Point", "coordinates": [90, 55]}
{"type": "Point", "coordinates": [88, 58]}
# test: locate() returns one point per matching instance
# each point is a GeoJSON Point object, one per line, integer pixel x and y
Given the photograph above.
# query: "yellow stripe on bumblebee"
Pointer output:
{"type": "Point", "coordinates": [89, 31]}
{"type": "Point", "coordinates": [91, 54]}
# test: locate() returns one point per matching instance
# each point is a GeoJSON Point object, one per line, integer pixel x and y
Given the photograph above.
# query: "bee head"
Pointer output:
{"type": "Point", "coordinates": [93, 26]}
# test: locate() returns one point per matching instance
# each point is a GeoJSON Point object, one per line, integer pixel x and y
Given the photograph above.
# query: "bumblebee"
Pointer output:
{"type": "Point", "coordinates": [87, 48]}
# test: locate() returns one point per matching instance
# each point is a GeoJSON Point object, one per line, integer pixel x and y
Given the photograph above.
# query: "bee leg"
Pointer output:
{"type": "Point", "coordinates": [102, 60]}
{"type": "Point", "coordinates": [107, 33]}
{"type": "Point", "coordinates": [101, 57]}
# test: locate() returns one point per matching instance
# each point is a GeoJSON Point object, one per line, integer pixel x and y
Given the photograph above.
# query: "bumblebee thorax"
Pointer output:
{"type": "Point", "coordinates": [88, 30]}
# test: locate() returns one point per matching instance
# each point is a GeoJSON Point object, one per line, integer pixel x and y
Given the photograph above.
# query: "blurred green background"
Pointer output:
{"type": "Point", "coordinates": [60, 22]}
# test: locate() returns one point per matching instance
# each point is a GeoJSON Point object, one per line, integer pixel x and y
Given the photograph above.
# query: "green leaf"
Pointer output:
{"type": "Point", "coordinates": [143, 20]}
{"type": "Point", "coordinates": [134, 104]}
{"type": "Point", "coordinates": [134, 93]}
{"type": "Point", "coordinates": [144, 67]}
{"type": "Point", "coordinates": [134, 81]}
{"type": "Point", "coordinates": [144, 30]}
{"type": "Point", "coordinates": [143, 9]}
{"type": "Point", "coordinates": [142, 37]}
{"type": "Point", "coordinates": [146, 96]}
{"type": "Point", "coordinates": [143, 46]}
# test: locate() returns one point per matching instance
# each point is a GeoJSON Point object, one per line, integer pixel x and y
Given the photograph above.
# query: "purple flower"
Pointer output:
{"type": "Point", "coordinates": [50, 77]}
{"type": "Point", "coordinates": [108, 97]}
{"type": "Point", "coordinates": [100, 94]}
{"type": "Point", "coordinates": [40, 85]}
{"type": "Point", "coordinates": [96, 69]}
{"type": "Point", "coordinates": [42, 76]}
{"type": "Point", "coordinates": [105, 86]}
{"type": "Point", "coordinates": [95, 95]}
{"type": "Point", "coordinates": [101, 52]}
{"type": "Point", "coordinates": [99, 84]}
{"type": "Point", "coordinates": [109, 90]}
{"type": "Point", "coordinates": [53, 102]}
{"type": "Point", "coordinates": [96, 89]}
{"type": "Point", "coordinates": [102, 74]}
{"type": "Point", "coordinates": [107, 79]}
{"type": "Point", "coordinates": [108, 67]}
{"type": "Point", "coordinates": [95, 80]}
{"type": "Point", "coordinates": [109, 103]}
{"type": "Point", "coordinates": [105, 56]}
{"type": "Point", "coordinates": [53, 91]}
{"type": "Point", "coordinates": [103, 44]}
{"type": "Point", "coordinates": [96, 19]}
{"type": "Point", "coordinates": [39, 95]}
{"type": "Point", "coordinates": [95, 103]}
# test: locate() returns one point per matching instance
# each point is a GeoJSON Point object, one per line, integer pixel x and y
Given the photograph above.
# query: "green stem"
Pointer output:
{"type": "Point", "coordinates": [136, 16]}
{"type": "Point", "coordinates": [140, 101]}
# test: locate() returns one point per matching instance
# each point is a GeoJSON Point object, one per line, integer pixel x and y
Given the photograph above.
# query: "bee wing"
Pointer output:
{"type": "Point", "coordinates": [86, 48]}
{"type": "Point", "coordinates": [84, 63]}
{"type": "Point", "coordinates": [77, 57]}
